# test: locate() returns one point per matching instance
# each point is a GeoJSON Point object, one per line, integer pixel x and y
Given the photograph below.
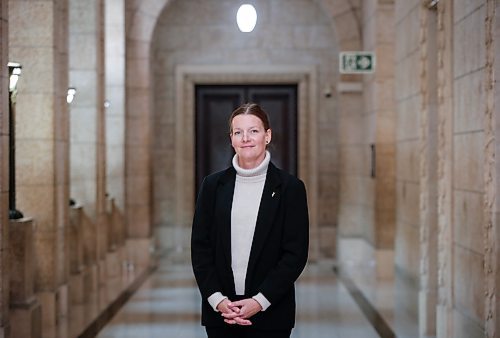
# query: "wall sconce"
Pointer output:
{"type": "Point", "coordinates": [14, 73]}
{"type": "Point", "coordinates": [246, 17]}
{"type": "Point", "coordinates": [107, 104]}
{"type": "Point", "coordinates": [71, 94]}
{"type": "Point", "coordinates": [431, 4]}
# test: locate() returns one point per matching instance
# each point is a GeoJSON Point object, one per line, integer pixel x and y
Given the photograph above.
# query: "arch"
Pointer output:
{"type": "Point", "coordinates": [143, 17]}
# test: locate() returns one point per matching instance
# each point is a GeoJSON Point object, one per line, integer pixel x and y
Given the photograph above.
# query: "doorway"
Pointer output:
{"type": "Point", "coordinates": [213, 106]}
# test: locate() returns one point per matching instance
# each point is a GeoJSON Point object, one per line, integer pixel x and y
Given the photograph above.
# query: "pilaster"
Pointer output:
{"type": "Point", "coordinates": [428, 172]}
{"type": "Point", "coordinates": [492, 168]}
{"type": "Point", "coordinates": [38, 40]}
{"type": "Point", "coordinates": [445, 170]}
{"type": "Point", "coordinates": [25, 310]}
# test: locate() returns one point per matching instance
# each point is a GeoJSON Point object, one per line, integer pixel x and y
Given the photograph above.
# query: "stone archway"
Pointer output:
{"type": "Point", "coordinates": [143, 17]}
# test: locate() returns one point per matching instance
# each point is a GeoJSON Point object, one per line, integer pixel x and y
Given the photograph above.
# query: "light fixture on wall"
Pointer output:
{"type": "Point", "coordinates": [71, 94]}
{"type": "Point", "coordinates": [14, 73]}
{"type": "Point", "coordinates": [246, 17]}
{"type": "Point", "coordinates": [432, 4]}
{"type": "Point", "coordinates": [107, 104]}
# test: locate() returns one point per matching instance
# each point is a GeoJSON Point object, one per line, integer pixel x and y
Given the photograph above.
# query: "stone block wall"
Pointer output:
{"type": "Point", "coordinates": [442, 165]}
{"type": "Point", "coordinates": [469, 106]}
{"type": "Point", "coordinates": [297, 33]}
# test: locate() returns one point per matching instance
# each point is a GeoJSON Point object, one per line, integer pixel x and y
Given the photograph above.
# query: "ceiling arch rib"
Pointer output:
{"type": "Point", "coordinates": [344, 14]}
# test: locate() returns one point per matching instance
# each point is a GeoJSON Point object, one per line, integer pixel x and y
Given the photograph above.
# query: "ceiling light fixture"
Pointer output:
{"type": "Point", "coordinates": [246, 17]}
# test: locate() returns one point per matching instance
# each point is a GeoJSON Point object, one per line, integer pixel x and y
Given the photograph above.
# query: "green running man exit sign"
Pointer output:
{"type": "Point", "coordinates": [356, 62]}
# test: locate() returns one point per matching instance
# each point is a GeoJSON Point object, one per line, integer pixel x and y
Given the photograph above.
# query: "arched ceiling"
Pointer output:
{"type": "Point", "coordinates": [143, 16]}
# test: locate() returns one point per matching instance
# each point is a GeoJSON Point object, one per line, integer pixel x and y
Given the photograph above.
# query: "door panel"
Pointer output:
{"type": "Point", "coordinates": [280, 104]}
{"type": "Point", "coordinates": [214, 104]}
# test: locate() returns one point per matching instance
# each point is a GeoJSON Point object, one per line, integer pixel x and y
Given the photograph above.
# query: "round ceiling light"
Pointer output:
{"type": "Point", "coordinates": [246, 17]}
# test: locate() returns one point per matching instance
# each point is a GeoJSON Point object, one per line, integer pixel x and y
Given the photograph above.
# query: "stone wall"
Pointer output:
{"type": "Point", "coordinates": [468, 182]}
{"type": "Point", "coordinates": [440, 87]}
{"type": "Point", "coordinates": [296, 33]}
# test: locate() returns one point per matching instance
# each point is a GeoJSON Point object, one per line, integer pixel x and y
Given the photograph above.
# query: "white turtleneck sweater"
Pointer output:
{"type": "Point", "coordinates": [246, 200]}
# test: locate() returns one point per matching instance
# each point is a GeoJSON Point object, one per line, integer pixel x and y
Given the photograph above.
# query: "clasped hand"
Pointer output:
{"type": "Point", "coordinates": [238, 312]}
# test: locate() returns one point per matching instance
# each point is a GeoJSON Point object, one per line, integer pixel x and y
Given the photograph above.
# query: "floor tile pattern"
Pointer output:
{"type": "Point", "coordinates": [167, 306]}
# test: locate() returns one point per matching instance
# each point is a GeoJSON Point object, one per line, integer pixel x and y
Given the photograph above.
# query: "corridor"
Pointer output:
{"type": "Point", "coordinates": [168, 303]}
{"type": "Point", "coordinates": [113, 111]}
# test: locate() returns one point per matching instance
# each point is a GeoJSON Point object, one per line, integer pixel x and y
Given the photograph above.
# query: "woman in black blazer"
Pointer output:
{"type": "Point", "coordinates": [250, 237]}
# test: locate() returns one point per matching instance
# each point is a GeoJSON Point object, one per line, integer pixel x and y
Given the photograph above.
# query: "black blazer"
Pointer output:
{"type": "Point", "coordinates": [279, 247]}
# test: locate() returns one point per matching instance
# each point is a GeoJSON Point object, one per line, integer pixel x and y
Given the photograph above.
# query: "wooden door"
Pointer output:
{"type": "Point", "coordinates": [214, 105]}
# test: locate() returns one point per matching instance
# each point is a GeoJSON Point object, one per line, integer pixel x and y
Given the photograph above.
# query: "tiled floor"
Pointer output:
{"type": "Point", "coordinates": [168, 303]}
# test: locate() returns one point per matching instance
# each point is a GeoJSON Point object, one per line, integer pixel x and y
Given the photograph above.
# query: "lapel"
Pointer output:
{"type": "Point", "coordinates": [225, 202]}
{"type": "Point", "coordinates": [269, 203]}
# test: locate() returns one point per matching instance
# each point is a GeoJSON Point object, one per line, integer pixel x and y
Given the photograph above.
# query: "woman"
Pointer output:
{"type": "Point", "coordinates": [250, 237]}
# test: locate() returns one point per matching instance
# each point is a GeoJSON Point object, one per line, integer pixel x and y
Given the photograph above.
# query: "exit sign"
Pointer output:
{"type": "Point", "coordinates": [356, 62]}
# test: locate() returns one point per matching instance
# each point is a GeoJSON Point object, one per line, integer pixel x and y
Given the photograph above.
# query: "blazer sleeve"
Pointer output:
{"type": "Point", "coordinates": [294, 245]}
{"type": "Point", "coordinates": [202, 253]}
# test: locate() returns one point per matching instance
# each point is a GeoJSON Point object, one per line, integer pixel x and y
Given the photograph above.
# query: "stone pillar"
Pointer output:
{"type": "Point", "coordinates": [385, 141]}
{"type": "Point", "coordinates": [113, 258]}
{"type": "Point", "coordinates": [428, 172]}
{"type": "Point", "coordinates": [86, 62]}
{"type": "Point", "coordinates": [380, 122]}
{"type": "Point", "coordinates": [4, 177]}
{"type": "Point", "coordinates": [138, 168]}
{"type": "Point", "coordinates": [118, 248]}
{"type": "Point", "coordinates": [38, 40]}
{"type": "Point", "coordinates": [76, 291]}
{"type": "Point", "coordinates": [445, 170]}
{"type": "Point", "coordinates": [91, 273]}
{"type": "Point", "coordinates": [25, 310]}
{"type": "Point", "coordinates": [115, 95]}
{"type": "Point", "coordinates": [492, 170]}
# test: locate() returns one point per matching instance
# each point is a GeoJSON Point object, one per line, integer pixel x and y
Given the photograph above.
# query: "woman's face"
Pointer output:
{"type": "Point", "coordinates": [249, 138]}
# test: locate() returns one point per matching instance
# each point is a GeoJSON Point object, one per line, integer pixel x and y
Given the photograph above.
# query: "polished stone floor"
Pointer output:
{"type": "Point", "coordinates": [167, 305]}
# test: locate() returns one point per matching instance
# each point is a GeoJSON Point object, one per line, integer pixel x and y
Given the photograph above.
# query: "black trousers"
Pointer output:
{"type": "Point", "coordinates": [238, 331]}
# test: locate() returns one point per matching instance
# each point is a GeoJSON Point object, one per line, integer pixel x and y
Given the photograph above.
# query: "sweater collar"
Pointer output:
{"type": "Point", "coordinates": [261, 169]}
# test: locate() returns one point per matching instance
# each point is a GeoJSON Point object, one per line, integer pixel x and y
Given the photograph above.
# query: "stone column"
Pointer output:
{"type": "Point", "coordinates": [115, 135]}
{"type": "Point", "coordinates": [385, 141]}
{"type": "Point", "coordinates": [86, 62]}
{"type": "Point", "coordinates": [115, 96]}
{"type": "Point", "coordinates": [76, 287]}
{"type": "Point", "coordinates": [380, 122]}
{"type": "Point", "coordinates": [38, 40]}
{"type": "Point", "coordinates": [4, 169]}
{"type": "Point", "coordinates": [25, 310]}
{"type": "Point", "coordinates": [445, 170]}
{"type": "Point", "coordinates": [138, 170]}
{"type": "Point", "coordinates": [492, 170]}
{"type": "Point", "coordinates": [114, 258]}
{"type": "Point", "coordinates": [428, 172]}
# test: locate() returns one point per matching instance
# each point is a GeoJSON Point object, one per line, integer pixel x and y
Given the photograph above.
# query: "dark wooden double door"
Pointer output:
{"type": "Point", "coordinates": [214, 105]}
